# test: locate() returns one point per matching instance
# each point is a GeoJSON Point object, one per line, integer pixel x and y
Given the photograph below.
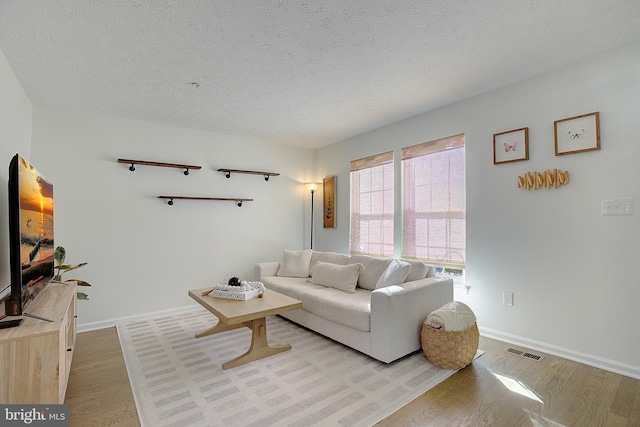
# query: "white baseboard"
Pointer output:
{"type": "Point", "coordinates": [587, 359]}
{"type": "Point", "coordinates": [86, 327]}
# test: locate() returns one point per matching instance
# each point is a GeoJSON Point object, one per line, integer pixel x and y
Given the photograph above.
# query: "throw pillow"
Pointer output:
{"type": "Point", "coordinates": [395, 274]}
{"type": "Point", "coordinates": [432, 270]}
{"type": "Point", "coordinates": [419, 270]}
{"type": "Point", "coordinates": [373, 269]}
{"type": "Point", "coordinates": [295, 263]}
{"type": "Point", "coordinates": [332, 257]}
{"type": "Point", "coordinates": [342, 277]}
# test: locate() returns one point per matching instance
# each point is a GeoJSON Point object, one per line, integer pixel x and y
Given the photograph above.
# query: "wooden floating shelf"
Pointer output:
{"type": "Point", "coordinates": [266, 175]}
{"type": "Point", "coordinates": [238, 200]}
{"type": "Point", "coordinates": [160, 164]}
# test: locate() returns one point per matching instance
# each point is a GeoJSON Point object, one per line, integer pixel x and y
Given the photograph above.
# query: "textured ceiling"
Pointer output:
{"type": "Point", "coordinates": [304, 72]}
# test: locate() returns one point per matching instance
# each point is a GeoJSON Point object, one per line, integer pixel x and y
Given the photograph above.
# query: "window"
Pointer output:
{"type": "Point", "coordinates": [372, 205]}
{"type": "Point", "coordinates": [433, 205]}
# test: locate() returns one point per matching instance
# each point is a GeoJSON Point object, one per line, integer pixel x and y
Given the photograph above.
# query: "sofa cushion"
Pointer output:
{"type": "Point", "coordinates": [373, 269]}
{"type": "Point", "coordinates": [332, 257]}
{"type": "Point", "coordinates": [352, 310]}
{"type": "Point", "coordinates": [432, 271]}
{"type": "Point", "coordinates": [295, 263]}
{"type": "Point", "coordinates": [395, 274]}
{"type": "Point", "coordinates": [419, 270]}
{"type": "Point", "coordinates": [342, 277]}
{"type": "Point", "coordinates": [290, 286]}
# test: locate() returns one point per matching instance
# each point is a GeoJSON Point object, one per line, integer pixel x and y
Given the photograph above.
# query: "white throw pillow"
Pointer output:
{"type": "Point", "coordinates": [419, 270]}
{"type": "Point", "coordinates": [373, 269]}
{"type": "Point", "coordinates": [432, 270]}
{"type": "Point", "coordinates": [295, 263]}
{"type": "Point", "coordinates": [331, 257]}
{"type": "Point", "coordinates": [395, 274]}
{"type": "Point", "coordinates": [342, 277]}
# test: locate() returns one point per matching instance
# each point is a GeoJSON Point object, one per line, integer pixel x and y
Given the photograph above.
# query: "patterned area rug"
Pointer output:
{"type": "Point", "coordinates": [177, 380]}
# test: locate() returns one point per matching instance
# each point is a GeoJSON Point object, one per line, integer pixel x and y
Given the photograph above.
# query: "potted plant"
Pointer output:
{"type": "Point", "coordinates": [59, 256]}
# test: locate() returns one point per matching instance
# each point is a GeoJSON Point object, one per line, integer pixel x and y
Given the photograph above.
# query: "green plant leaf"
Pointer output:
{"type": "Point", "coordinates": [79, 282]}
{"type": "Point", "coordinates": [67, 267]}
{"type": "Point", "coordinates": [59, 255]}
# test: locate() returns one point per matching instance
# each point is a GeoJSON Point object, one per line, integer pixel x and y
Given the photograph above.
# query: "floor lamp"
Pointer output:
{"type": "Point", "coordinates": [312, 187]}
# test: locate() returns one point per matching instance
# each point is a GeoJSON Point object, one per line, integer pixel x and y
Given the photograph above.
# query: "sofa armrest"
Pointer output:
{"type": "Point", "coordinates": [266, 269]}
{"type": "Point", "coordinates": [398, 312]}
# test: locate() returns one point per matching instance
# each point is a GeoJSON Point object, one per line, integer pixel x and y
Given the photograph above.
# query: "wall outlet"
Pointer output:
{"type": "Point", "coordinates": [507, 298]}
{"type": "Point", "coordinates": [621, 206]}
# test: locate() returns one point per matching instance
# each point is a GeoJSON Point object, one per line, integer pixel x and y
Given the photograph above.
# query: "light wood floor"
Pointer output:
{"type": "Point", "coordinates": [561, 392]}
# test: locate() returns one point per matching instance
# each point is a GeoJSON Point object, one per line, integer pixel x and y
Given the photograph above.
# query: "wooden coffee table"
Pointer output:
{"type": "Point", "coordinates": [252, 313]}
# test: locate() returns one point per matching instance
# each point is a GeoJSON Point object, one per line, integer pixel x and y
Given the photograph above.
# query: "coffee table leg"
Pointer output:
{"type": "Point", "coordinates": [219, 327]}
{"type": "Point", "coordinates": [259, 346]}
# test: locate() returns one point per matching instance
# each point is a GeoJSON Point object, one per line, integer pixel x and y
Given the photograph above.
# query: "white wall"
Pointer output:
{"type": "Point", "coordinates": [15, 137]}
{"type": "Point", "coordinates": [144, 255]}
{"type": "Point", "coordinates": [571, 269]}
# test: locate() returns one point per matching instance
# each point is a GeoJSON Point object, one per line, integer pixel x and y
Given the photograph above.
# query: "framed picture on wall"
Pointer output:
{"type": "Point", "coordinates": [329, 202]}
{"type": "Point", "coordinates": [511, 146]}
{"type": "Point", "coordinates": [577, 134]}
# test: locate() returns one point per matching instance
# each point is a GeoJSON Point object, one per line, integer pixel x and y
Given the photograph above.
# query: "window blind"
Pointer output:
{"type": "Point", "coordinates": [371, 231]}
{"type": "Point", "coordinates": [433, 205]}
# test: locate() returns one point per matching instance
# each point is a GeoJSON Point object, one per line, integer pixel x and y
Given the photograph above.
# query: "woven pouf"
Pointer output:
{"type": "Point", "coordinates": [450, 350]}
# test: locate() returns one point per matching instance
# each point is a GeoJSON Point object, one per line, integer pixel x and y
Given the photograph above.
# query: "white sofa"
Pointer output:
{"type": "Point", "coordinates": [374, 305]}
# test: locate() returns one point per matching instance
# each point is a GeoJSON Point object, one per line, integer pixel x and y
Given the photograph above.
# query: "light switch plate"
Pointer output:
{"type": "Point", "coordinates": [507, 298]}
{"type": "Point", "coordinates": [618, 206]}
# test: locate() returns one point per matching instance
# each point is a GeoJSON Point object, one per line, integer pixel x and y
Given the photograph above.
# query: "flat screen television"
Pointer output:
{"type": "Point", "coordinates": [31, 246]}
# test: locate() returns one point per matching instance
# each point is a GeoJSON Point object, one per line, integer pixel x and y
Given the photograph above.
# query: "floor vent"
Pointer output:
{"type": "Point", "coordinates": [524, 354]}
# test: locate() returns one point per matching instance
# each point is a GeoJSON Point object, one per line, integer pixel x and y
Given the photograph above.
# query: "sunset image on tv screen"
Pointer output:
{"type": "Point", "coordinates": [36, 230]}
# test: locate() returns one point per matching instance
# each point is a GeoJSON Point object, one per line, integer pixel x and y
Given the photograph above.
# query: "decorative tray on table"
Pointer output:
{"type": "Point", "coordinates": [245, 291]}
